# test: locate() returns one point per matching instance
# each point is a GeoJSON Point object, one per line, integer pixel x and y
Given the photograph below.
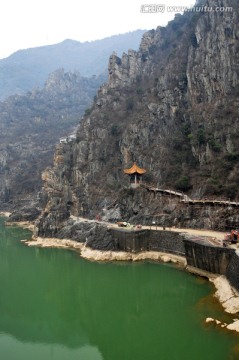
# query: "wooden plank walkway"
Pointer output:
{"type": "Point", "coordinates": [210, 202]}
{"type": "Point", "coordinates": [165, 191]}
{"type": "Point", "coordinates": [187, 200]}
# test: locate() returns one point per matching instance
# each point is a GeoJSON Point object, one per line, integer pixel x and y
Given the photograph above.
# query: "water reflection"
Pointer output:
{"type": "Point", "coordinates": [23, 351]}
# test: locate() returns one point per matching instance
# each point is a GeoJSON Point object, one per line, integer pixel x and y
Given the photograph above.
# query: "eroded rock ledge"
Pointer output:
{"type": "Point", "coordinates": [229, 298]}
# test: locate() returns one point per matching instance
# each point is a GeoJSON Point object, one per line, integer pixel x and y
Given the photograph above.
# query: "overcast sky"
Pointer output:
{"type": "Point", "coordinates": [31, 23]}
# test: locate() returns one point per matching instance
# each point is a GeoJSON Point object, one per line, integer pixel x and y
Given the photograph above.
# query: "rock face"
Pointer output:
{"type": "Point", "coordinates": [93, 235]}
{"type": "Point", "coordinates": [172, 107]}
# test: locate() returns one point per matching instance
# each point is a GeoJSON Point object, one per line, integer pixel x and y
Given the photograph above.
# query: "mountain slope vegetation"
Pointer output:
{"type": "Point", "coordinates": [32, 124]}
{"type": "Point", "coordinates": [172, 107]}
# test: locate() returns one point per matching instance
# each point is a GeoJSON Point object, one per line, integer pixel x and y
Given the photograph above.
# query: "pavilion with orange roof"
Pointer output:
{"type": "Point", "coordinates": [135, 174]}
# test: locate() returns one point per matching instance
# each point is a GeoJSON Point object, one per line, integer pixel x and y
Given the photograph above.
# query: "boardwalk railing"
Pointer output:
{"type": "Point", "coordinates": [210, 202]}
{"type": "Point", "coordinates": [187, 200]}
{"type": "Point", "coordinates": [165, 191]}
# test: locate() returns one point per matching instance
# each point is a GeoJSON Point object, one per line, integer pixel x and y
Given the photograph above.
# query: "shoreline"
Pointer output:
{"type": "Point", "coordinates": [104, 256]}
{"type": "Point", "coordinates": [23, 224]}
{"type": "Point", "coordinates": [227, 296]}
{"type": "Point", "coordinates": [5, 213]}
{"type": "Point", "coordinates": [53, 243]}
{"type": "Point", "coordinates": [99, 255]}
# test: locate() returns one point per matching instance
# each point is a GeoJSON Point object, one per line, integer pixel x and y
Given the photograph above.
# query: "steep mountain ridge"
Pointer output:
{"type": "Point", "coordinates": [172, 107]}
{"type": "Point", "coordinates": [29, 68]}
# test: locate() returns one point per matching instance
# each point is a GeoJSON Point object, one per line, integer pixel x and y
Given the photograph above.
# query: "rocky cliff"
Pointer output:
{"type": "Point", "coordinates": [172, 107]}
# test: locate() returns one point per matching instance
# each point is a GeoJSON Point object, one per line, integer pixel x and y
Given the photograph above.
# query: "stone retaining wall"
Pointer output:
{"type": "Point", "coordinates": [148, 240]}
{"type": "Point", "coordinates": [232, 272]}
{"type": "Point", "coordinates": [209, 258]}
{"type": "Point", "coordinates": [213, 259]}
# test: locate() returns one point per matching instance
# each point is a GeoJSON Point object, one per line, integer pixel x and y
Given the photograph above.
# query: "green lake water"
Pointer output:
{"type": "Point", "coordinates": [55, 305]}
